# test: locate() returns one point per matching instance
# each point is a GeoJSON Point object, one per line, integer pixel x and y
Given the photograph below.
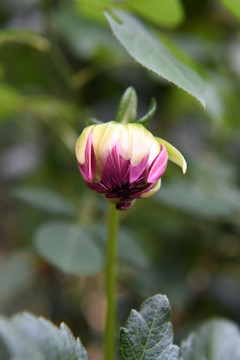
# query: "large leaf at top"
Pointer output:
{"type": "Point", "coordinates": [69, 247]}
{"type": "Point", "coordinates": [149, 334]}
{"type": "Point", "coordinates": [161, 12]}
{"type": "Point", "coordinates": [150, 52]}
{"type": "Point", "coordinates": [215, 340]}
{"type": "Point", "coordinates": [233, 6]}
{"type": "Point", "coordinates": [27, 337]}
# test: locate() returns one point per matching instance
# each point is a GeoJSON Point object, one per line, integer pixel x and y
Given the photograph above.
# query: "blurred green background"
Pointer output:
{"type": "Point", "coordinates": [60, 65]}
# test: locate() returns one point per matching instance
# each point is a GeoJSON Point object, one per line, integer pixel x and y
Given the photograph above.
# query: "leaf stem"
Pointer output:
{"type": "Point", "coordinates": [111, 272]}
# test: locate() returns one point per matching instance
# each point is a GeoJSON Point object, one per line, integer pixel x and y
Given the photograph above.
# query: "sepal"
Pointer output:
{"type": "Point", "coordinates": [127, 108]}
{"type": "Point", "coordinates": [151, 112]}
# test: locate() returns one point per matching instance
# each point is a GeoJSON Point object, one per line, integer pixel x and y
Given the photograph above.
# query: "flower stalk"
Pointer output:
{"type": "Point", "coordinates": [111, 278]}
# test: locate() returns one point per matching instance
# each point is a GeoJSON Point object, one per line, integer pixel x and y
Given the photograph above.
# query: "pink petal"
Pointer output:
{"type": "Point", "coordinates": [137, 171]}
{"type": "Point", "coordinates": [158, 166]}
{"type": "Point", "coordinates": [88, 168]}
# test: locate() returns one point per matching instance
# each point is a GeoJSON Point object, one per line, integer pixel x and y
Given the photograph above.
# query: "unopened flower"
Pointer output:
{"type": "Point", "coordinates": [124, 162]}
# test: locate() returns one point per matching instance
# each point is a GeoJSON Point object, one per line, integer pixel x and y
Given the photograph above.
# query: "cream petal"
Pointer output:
{"type": "Point", "coordinates": [81, 144]}
{"type": "Point", "coordinates": [140, 142]}
{"type": "Point", "coordinates": [174, 155]}
{"type": "Point", "coordinates": [123, 142]}
{"type": "Point", "coordinates": [104, 137]}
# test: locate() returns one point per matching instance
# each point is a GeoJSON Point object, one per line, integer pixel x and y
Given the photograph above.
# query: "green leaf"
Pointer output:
{"type": "Point", "coordinates": [45, 199]}
{"type": "Point", "coordinates": [127, 108]}
{"type": "Point", "coordinates": [24, 37]}
{"type": "Point", "coordinates": [151, 112]}
{"type": "Point", "coordinates": [233, 6]}
{"type": "Point", "coordinates": [28, 337]}
{"type": "Point", "coordinates": [149, 334]}
{"type": "Point", "coordinates": [69, 247]}
{"type": "Point", "coordinates": [166, 13]}
{"type": "Point", "coordinates": [215, 340]}
{"type": "Point", "coordinates": [150, 52]}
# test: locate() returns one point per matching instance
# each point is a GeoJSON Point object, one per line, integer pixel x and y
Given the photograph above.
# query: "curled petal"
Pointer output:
{"type": "Point", "coordinates": [174, 155]}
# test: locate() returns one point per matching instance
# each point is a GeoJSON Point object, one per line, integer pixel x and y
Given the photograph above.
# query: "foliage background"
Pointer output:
{"type": "Point", "coordinates": [183, 242]}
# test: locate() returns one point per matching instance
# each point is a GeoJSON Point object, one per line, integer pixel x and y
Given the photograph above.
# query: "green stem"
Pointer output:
{"type": "Point", "coordinates": [111, 275]}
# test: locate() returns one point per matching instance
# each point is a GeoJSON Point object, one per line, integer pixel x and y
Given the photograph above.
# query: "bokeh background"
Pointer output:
{"type": "Point", "coordinates": [61, 65]}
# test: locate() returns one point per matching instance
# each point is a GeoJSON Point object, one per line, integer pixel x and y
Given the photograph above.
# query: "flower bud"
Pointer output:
{"type": "Point", "coordinates": [123, 162]}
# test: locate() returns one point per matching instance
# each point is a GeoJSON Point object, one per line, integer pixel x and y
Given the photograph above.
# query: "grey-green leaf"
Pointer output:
{"type": "Point", "coordinates": [69, 247]}
{"type": "Point", "coordinates": [150, 52]}
{"type": "Point", "coordinates": [215, 340]}
{"type": "Point", "coordinates": [45, 199]}
{"type": "Point", "coordinates": [127, 108]}
{"type": "Point", "coordinates": [148, 334]}
{"type": "Point", "coordinates": [28, 337]}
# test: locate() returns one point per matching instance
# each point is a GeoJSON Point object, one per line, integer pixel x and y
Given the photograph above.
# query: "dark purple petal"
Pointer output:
{"type": "Point", "coordinates": [88, 168]}
{"type": "Point", "coordinates": [116, 169]}
{"type": "Point", "coordinates": [158, 166]}
{"type": "Point", "coordinates": [111, 173]}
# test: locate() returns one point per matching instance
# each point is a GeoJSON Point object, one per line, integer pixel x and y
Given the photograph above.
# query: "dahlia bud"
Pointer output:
{"type": "Point", "coordinates": [123, 162]}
